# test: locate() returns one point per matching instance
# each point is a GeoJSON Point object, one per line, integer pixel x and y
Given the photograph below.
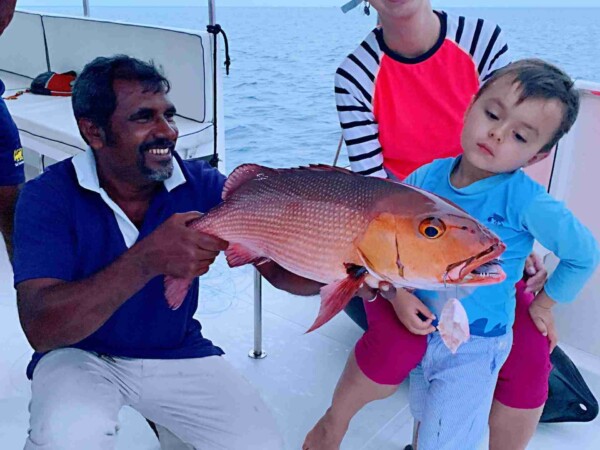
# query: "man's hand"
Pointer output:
{"type": "Point", "coordinates": [540, 311]}
{"type": "Point", "coordinates": [176, 250]}
{"type": "Point", "coordinates": [410, 309]}
{"type": "Point", "coordinates": [7, 11]}
{"type": "Point", "coordinates": [535, 273]}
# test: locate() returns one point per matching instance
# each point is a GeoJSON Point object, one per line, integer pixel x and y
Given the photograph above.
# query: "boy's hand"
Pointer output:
{"type": "Point", "coordinates": [409, 309]}
{"type": "Point", "coordinates": [540, 311]}
{"type": "Point", "coordinates": [535, 273]}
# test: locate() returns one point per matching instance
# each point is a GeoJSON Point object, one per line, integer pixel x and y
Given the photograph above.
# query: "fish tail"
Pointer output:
{"type": "Point", "coordinates": [335, 297]}
{"type": "Point", "coordinates": [175, 291]}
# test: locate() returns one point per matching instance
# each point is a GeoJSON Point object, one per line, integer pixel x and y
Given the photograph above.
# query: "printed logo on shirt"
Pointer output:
{"type": "Point", "coordinates": [18, 156]}
{"type": "Point", "coordinates": [495, 219]}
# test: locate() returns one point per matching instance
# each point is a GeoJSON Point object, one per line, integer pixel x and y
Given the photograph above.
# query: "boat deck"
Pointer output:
{"type": "Point", "coordinates": [296, 379]}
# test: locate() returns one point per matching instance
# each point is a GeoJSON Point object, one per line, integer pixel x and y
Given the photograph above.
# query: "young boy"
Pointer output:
{"type": "Point", "coordinates": [514, 121]}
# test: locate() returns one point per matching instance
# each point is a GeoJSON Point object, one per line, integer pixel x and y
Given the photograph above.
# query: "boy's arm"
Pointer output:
{"type": "Point", "coordinates": [557, 229]}
{"type": "Point", "coordinates": [359, 127]}
{"type": "Point", "coordinates": [409, 310]}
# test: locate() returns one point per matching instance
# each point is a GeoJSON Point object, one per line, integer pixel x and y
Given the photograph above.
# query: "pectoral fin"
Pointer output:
{"type": "Point", "coordinates": [454, 325]}
{"type": "Point", "coordinates": [238, 255]}
{"type": "Point", "coordinates": [175, 291]}
{"type": "Point", "coordinates": [335, 296]}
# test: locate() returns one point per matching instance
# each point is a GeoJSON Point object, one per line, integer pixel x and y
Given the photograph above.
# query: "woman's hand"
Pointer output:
{"type": "Point", "coordinates": [540, 311]}
{"type": "Point", "coordinates": [535, 273]}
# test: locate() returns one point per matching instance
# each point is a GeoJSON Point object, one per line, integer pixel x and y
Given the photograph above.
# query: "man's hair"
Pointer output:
{"type": "Point", "coordinates": [93, 94]}
{"type": "Point", "coordinates": [538, 79]}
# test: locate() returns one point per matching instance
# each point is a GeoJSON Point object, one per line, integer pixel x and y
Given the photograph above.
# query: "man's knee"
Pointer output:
{"type": "Point", "coordinates": [73, 404]}
{"type": "Point", "coordinates": [72, 425]}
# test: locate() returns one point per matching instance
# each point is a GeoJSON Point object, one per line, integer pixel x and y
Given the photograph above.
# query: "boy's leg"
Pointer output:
{"type": "Point", "coordinates": [382, 359]}
{"type": "Point", "coordinates": [207, 404]}
{"type": "Point", "coordinates": [522, 387]}
{"type": "Point", "coordinates": [75, 403]}
{"type": "Point", "coordinates": [458, 391]}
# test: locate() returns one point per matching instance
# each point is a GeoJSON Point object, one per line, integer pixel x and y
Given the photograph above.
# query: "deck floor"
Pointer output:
{"type": "Point", "coordinates": [296, 379]}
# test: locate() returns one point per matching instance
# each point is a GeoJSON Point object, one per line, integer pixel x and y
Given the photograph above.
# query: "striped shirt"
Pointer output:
{"type": "Point", "coordinates": [401, 112]}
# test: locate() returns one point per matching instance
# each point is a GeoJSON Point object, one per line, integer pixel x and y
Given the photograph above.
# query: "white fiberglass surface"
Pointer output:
{"type": "Point", "coordinates": [296, 379]}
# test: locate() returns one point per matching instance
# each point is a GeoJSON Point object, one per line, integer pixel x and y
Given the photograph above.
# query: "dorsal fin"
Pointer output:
{"type": "Point", "coordinates": [327, 168]}
{"type": "Point", "coordinates": [240, 175]}
{"type": "Point", "coordinates": [247, 172]}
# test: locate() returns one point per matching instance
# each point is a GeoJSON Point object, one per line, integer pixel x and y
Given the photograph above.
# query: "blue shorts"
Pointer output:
{"type": "Point", "coordinates": [451, 395]}
{"type": "Point", "coordinates": [11, 152]}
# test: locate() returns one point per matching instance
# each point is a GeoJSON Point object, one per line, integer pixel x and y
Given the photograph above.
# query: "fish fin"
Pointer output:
{"type": "Point", "coordinates": [175, 291]}
{"type": "Point", "coordinates": [247, 172]}
{"type": "Point", "coordinates": [327, 168]}
{"type": "Point", "coordinates": [238, 255]}
{"type": "Point", "coordinates": [241, 175]}
{"type": "Point", "coordinates": [454, 325]}
{"type": "Point", "coordinates": [335, 297]}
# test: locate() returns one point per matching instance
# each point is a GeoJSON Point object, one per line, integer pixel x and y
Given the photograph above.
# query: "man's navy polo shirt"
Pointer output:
{"type": "Point", "coordinates": [68, 228]}
{"type": "Point", "coordinates": [11, 152]}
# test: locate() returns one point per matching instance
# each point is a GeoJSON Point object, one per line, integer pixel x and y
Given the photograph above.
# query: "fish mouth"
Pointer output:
{"type": "Point", "coordinates": [481, 269]}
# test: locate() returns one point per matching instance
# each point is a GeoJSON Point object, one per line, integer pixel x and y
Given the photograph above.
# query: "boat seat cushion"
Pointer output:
{"type": "Point", "coordinates": [50, 120]}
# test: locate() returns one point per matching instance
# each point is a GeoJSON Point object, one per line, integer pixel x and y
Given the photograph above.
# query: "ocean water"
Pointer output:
{"type": "Point", "coordinates": [278, 99]}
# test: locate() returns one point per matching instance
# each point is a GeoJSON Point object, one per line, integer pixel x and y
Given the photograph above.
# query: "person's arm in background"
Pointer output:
{"type": "Point", "coordinates": [8, 201]}
{"type": "Point", "coordinates": [288, 281]}
{"type": "Point", "coordinates": [353, 88]}
{"type": "Point", "coordinates": [7, 11]}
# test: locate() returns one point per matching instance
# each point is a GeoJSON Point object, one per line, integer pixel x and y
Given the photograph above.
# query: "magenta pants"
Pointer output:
{"type": "Point", "coordinates": [387, 352]}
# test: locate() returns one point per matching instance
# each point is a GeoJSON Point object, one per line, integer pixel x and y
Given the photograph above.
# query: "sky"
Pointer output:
{"type": "Point", "coordinates": [331, 3]}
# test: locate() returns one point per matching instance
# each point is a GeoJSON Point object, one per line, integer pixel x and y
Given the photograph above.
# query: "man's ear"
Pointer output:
{"type": "Point", "coordinates": [539, 156]}
{"type": "Point", "coordinates": [93, 134]}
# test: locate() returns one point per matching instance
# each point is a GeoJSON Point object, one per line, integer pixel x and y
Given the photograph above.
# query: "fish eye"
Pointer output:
{"type": "Point", "coordinates": [432, 228]}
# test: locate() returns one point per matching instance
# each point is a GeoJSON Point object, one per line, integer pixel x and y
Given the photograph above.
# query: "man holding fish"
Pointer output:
{"type": "Point", "coordinates": [94, 235]}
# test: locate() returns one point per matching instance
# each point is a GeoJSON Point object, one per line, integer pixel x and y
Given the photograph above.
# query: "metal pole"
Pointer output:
{"type": "Point", "coordinates": [211, 12]}
{"type": "Point", "coordinates": [257, 352]}
{"type": "Point", "coordinates": [86, 8]}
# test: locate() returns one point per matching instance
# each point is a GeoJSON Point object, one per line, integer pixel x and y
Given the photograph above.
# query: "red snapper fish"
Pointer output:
{"type": "Point", "coordinates": [342, 229]}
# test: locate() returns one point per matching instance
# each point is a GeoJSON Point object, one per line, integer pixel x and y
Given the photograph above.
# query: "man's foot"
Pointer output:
{"type": "Point", "coordinates": [325, 435]}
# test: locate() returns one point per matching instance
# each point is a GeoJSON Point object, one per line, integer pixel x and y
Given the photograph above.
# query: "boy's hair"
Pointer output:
{"type": "Point", "coordinates": [93, 94]}
{"type": "Point", "coordinates": [541, 80]}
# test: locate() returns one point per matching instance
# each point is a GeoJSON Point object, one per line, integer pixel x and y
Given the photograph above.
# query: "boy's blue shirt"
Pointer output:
{"type": "Point", "coordinates": [518, 210]}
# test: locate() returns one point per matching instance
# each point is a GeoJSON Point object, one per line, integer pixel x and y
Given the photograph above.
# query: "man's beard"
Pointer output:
{"type": "Point", "coordinates": [165, 169]}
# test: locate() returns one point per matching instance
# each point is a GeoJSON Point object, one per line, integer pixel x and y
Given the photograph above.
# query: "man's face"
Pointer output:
{"type": "Point", "coordinates": [142, 133]}
{"type": "Point", "coordinates": [501, 134]}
